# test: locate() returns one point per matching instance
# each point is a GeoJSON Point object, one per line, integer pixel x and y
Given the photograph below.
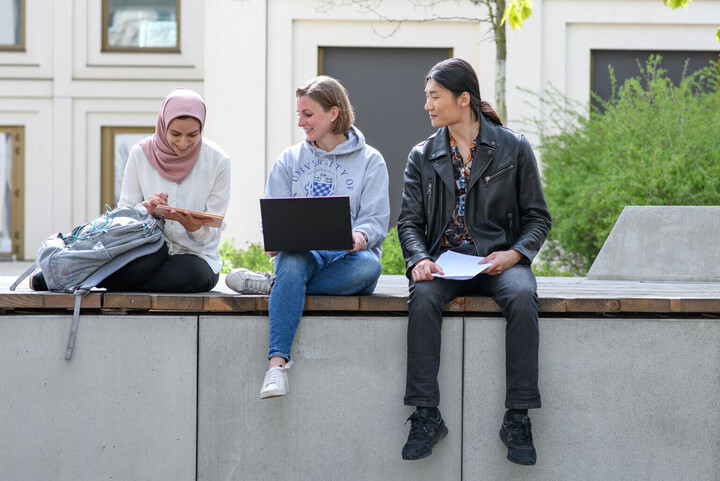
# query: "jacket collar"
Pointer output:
{"type": "Point", "coordinates": [441, 146]}
{"type": "Point", "coordinates": [483, 155]}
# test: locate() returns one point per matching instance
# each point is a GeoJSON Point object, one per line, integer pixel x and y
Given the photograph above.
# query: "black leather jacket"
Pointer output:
{"type": "Point", "coordinates": [504, 208]}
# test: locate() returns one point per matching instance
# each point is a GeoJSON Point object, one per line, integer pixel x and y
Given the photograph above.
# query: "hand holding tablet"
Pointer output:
{"type": "Point", "coordinates": [215, 218]}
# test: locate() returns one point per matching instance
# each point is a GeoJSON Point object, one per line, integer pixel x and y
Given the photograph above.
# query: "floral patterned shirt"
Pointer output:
{"type": "Point", "coordinates": [455, 233]}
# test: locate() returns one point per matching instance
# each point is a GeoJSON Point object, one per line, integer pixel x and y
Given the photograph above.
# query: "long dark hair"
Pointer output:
{"type": "Point", "coordinates": [458, 76]}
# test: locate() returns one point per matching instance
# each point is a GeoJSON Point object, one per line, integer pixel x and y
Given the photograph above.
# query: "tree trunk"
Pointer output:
{"type": "Point", "coordinates": [500, 58]}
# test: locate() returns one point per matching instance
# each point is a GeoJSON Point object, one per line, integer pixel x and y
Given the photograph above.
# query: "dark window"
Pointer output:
{"type": "Point", "coordinates": [386, 87]}
{"type": "Point", "coordinates": [625, 65]}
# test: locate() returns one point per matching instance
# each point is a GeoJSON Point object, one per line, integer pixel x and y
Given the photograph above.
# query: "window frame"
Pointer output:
{"type": "Point", "coordinates": [106, 47]}
{"type": "Point", "coordinates": [21, 46]}
{"type": "Point", "coordinates": [17, 209]}
{"type": "Point", "coordinates": [107, 162]}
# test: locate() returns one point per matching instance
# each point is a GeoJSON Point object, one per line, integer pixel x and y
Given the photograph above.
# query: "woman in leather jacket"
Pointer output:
{"type": "Point", "coordinates": [473, 187]}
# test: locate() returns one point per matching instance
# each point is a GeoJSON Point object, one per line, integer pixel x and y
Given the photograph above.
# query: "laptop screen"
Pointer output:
{"type": "Point", "coordinates": [306, 223]}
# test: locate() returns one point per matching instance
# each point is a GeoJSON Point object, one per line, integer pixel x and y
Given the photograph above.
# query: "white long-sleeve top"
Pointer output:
{"type": "Point", "coordinates": [205, 189]}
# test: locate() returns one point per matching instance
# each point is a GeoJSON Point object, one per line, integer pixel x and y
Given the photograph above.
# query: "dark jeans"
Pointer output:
{"type": "Point", "coordinates": [161, 272]}
{"type": "Point", "coordinates": [515, 290]}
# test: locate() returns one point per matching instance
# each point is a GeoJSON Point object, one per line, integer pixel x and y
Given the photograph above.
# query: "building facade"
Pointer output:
{"type": "Point", "coordinates": [81, 80]}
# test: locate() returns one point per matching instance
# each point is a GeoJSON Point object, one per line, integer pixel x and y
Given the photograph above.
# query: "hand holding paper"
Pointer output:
{"type": "Point", "coordinates": [460, 267]}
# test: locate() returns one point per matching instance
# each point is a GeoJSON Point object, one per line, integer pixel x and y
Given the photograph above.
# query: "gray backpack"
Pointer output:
{"type": "Point", "coordinates": [80, 260]}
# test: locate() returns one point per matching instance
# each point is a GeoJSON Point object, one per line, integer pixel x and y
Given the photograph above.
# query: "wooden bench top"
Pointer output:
{"type": "Point", "coordinates": [557, 295]}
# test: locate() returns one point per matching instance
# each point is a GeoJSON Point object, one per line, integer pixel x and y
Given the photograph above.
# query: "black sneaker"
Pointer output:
{"type": "Point", "coordinates": [425, 432]}
{"type": "Point", "coordinates": [37, 281]}
{"type": "Point", "coordinates": [517, 436]}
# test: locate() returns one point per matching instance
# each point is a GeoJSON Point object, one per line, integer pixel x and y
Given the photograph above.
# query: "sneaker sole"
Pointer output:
{"type": "Point", "coordinates": [503, 437]}
{"type": "Point", "coordinates": [271, 394]}
{"type": "Point", "coordinates": [442, 435]}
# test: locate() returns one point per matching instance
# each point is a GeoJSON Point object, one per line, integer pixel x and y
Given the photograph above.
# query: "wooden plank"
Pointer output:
{"type": "Point", "coordinates": [556, 295]}
{"type": "Point", "coordinates": [480, 304]}
{"type": "Point", "coordinates": [332, 303]}
{"type": "Point", "coordinates": [130, 301]}
{"type": "Point", "coordinates": [552, 304]}
{"type": "Point", "coordinates": [22, 300]}
{"type": "Point", "coordinates": [262, 303]}
{"type": "Point", "coordinates": [229, 304]}
{"type": "Point", "coordinates": [707, 306]}
{"type": "Point", "coordinates": [67, 301]}
{"type": "Point", "coordinates": [592, 305]}
{"type": "Point", "coordinates": [383, 304]}
{"type": "Point", "coordinates": [645, 305]}
{"type": "Point", "coordinates": [176, 302]}
{"type": "Point", "coordinates": [456, 305]}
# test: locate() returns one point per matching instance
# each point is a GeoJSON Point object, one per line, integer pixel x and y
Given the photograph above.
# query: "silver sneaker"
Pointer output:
{"type": "Point", "coordinates": [276, 382]}
{"type": "Point", "coordinates": [246, 281]}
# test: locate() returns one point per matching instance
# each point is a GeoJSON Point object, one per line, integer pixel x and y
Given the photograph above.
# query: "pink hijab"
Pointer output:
{"type": "Point", "coordinates": [180, 102]}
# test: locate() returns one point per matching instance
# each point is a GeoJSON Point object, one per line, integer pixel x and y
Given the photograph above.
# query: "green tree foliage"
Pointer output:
{"type": "Point", "coordinates": [516, 12]}
{"type": "Point", "coordinates": [652, 143]}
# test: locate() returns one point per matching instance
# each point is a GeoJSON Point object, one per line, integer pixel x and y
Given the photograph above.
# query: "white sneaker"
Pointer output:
{"type": "Point", "coordinates": [246, 281]}
{"type": "Point", "coordinates": [276, 382]}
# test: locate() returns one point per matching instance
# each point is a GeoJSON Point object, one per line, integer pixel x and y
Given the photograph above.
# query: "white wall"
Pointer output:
{"type": "Point", "coordinates": [62, 89]}
{"type": "Point", "coordinates": [247, 57]}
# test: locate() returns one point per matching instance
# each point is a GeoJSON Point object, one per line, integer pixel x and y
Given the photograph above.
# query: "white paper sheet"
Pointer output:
{"type": "Point", "coordinates": [459, 267]}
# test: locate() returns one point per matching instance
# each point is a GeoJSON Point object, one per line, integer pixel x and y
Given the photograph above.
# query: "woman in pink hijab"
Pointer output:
{"type": "Point", "coordinates": [177, 167]}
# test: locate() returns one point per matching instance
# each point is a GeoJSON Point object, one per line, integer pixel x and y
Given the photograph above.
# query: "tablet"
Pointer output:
{"type": "Point", "coordinates": [216, 218]}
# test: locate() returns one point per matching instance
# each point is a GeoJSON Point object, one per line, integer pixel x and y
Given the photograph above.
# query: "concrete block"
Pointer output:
{"type": "Point", "coordinates": [668, 243]}
{"type": "Point", "coordinates": [123, 408]}
{"type": "Point", "coordinates": [626, 399]}
{"type": "Point", "coordinates": [343, 418]}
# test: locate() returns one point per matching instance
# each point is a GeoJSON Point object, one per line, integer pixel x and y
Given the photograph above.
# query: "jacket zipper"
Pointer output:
{"type": "Point", "coordinates": [490, 177]}
{"type": "Point", "coordinates": [429, 195]}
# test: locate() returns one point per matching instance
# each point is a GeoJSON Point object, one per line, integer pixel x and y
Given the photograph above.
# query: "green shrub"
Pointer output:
{"type": "Point", "coordinates": [653, 143]}
{"type": "Point", "coordinates": [392, 258]}
{"type": "Point", "coordinates": [253, 257]}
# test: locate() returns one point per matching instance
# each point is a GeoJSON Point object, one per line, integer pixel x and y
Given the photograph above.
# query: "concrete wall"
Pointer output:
{"type": "Point", "coordinates": [661, 243]}
{"type": "Point", "coordinates": [343, 418]}
{"type": "Point", "coordinates": [623, 399]}
{"type": "Point", "coordinates": [123, 408]}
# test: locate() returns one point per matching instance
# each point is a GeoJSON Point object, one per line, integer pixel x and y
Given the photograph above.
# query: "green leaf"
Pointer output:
{"type": "Point", "coordinates": [718, 34]}
{"type": "Point", "coordinates": [677, 3]}
{"type": "Point", "coordinates": [516, 12]}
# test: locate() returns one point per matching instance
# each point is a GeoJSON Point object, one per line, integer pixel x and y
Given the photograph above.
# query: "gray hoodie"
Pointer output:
{"type": "Point", "coordinates": [353, 168]}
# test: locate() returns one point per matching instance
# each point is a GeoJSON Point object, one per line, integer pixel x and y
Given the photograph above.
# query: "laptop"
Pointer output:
{"type": "Point", "coordinates": [306, 223]}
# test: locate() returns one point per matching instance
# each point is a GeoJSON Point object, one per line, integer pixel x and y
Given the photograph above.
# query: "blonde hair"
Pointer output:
{"type": "Point", "coordinates": [330, 93]}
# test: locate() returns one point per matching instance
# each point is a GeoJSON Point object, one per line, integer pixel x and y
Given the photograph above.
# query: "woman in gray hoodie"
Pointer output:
{"type": "Point", "coordinates": [334, 160]}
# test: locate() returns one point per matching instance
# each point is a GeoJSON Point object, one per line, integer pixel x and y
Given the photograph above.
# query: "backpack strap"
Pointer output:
{"type": "Point", "coordinates": [24, 275]}
{"type": "Point", "coordinates": [76, 319]}
{"type": "Point", "coordinates": [99, 275]}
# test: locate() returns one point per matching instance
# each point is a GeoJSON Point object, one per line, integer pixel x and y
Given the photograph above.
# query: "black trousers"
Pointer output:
{"type": "Point", "coordinates": [161, 272]}
{"type": "Point", "coordinates": [515, 290]}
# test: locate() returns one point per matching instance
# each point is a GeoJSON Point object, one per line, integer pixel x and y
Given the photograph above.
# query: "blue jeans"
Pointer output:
{"type": "Point", "coordinates": [515, 291]}
{"type": "Point", "coordinates": [337, 273]}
